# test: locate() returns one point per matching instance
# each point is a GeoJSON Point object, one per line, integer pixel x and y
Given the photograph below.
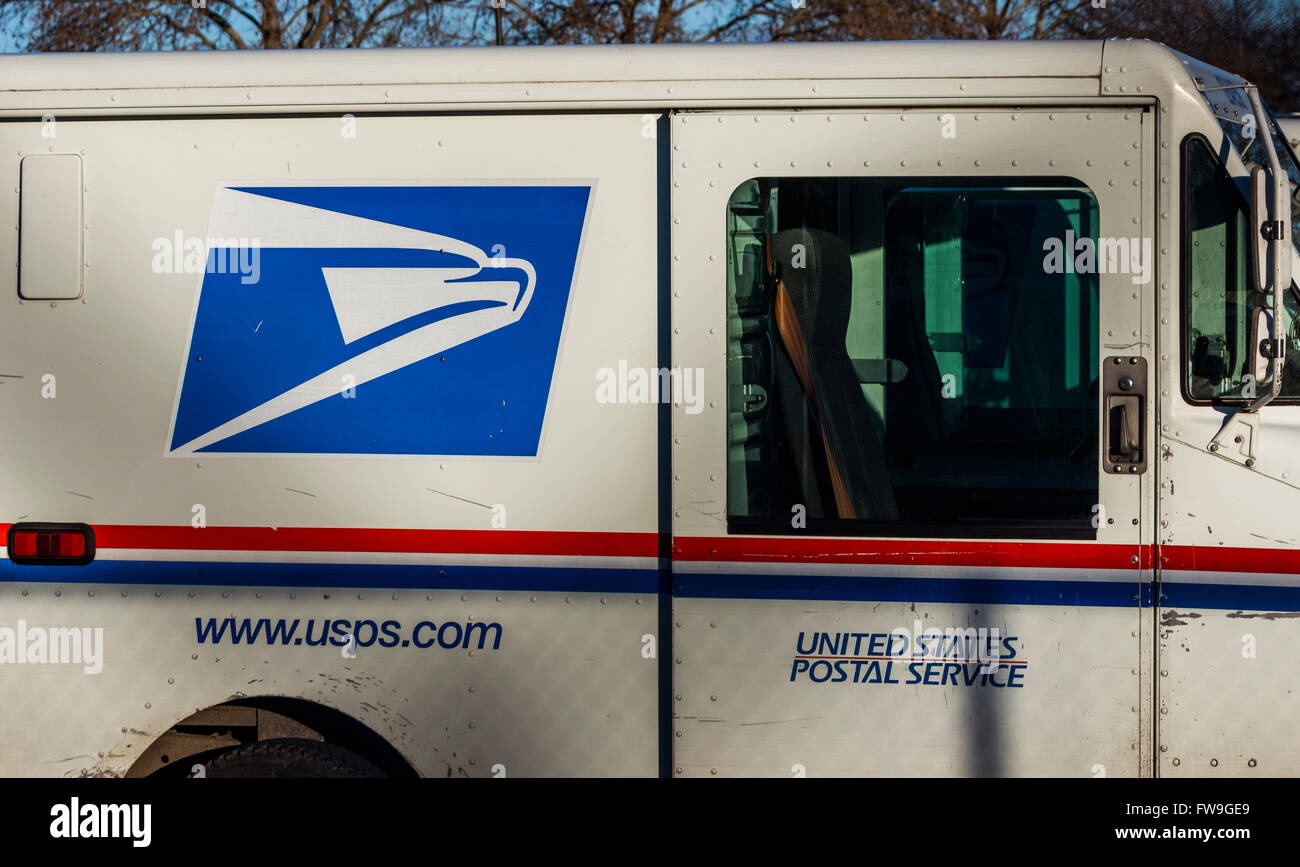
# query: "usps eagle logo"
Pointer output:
{"type": "Point", "coordinates": [397, 320]}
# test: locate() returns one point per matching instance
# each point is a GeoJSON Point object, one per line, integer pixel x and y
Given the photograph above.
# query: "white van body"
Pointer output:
{"type": "Point", "coordinates": [359, 343]}
{"type": "Point", "coordinates": [1290, 125]}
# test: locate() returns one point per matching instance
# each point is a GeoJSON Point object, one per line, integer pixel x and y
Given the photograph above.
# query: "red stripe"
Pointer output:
{"type": "Point", "coordinates": [1284, 561]}
{"type": "Point", "coordinates": [908, 552]}
{"type": "Point", "coordinates": [380, 540]}
{"type": "Point", "coordinates": [744, 549]}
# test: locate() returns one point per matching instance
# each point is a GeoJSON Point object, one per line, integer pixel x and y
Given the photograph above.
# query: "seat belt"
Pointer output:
{"type": "Point", "coordinates": [791, 333]}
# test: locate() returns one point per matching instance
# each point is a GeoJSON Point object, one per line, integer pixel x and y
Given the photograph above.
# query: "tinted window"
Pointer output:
{"type": "Point", "coordinates": [909, 358]}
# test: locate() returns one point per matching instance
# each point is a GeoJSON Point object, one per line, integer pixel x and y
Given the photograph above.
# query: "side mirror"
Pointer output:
{"type": "Point", "coordinates": [1260, 273]}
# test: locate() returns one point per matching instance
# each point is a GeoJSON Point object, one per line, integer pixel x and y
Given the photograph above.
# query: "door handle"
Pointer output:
{"type": "Point", "coordinates": [1124, 385]}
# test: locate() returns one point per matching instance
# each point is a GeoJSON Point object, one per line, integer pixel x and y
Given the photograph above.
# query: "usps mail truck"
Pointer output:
{"type": "Point", "coordinates": [781, 410]}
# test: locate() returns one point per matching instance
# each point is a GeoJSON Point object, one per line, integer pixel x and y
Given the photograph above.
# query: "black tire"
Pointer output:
{"type": "Point", "coordinates": [290, 758]}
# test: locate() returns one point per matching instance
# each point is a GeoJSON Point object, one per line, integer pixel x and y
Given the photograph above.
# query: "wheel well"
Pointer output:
{"type": "Point", "coordinates": [222, 727]}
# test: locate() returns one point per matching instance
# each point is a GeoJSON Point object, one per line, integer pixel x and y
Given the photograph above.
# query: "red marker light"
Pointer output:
{"type": "Point", "coordinates": [51, 544]}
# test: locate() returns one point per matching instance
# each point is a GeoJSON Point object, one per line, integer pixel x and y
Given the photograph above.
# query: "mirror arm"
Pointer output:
{"type": "Point", "coordinates": [1279, 274]}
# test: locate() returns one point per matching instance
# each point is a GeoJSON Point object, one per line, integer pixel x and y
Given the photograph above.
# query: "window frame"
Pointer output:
{"type": "Point", "coordinates": [779, 525]}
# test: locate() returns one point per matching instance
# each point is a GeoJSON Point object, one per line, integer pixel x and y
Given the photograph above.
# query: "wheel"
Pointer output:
{"type": "Point", "coordinates": [290, 758]}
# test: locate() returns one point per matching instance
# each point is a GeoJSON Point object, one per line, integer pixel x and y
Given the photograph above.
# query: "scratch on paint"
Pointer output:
{"type": "Point", "coordinates": [1171, 618]}
{"type": "Point", "coordinates": [462, 499]}
{"type": "Point", "coordinates": [778, 721]}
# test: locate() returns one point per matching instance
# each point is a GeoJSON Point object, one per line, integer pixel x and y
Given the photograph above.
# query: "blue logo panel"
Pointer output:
{"type": "Point", "coordinates": [418, 320]}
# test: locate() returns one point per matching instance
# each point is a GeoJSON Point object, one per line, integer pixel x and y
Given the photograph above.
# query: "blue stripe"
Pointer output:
{"type": "Point", "coordinates": [919, 589]}
{"type": "Point", "coordinates": [385, 576]}
{"type": "Point", "coordinates": [1230, 596]}
{"type": "Point", "coordinates": [1121, 594]}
